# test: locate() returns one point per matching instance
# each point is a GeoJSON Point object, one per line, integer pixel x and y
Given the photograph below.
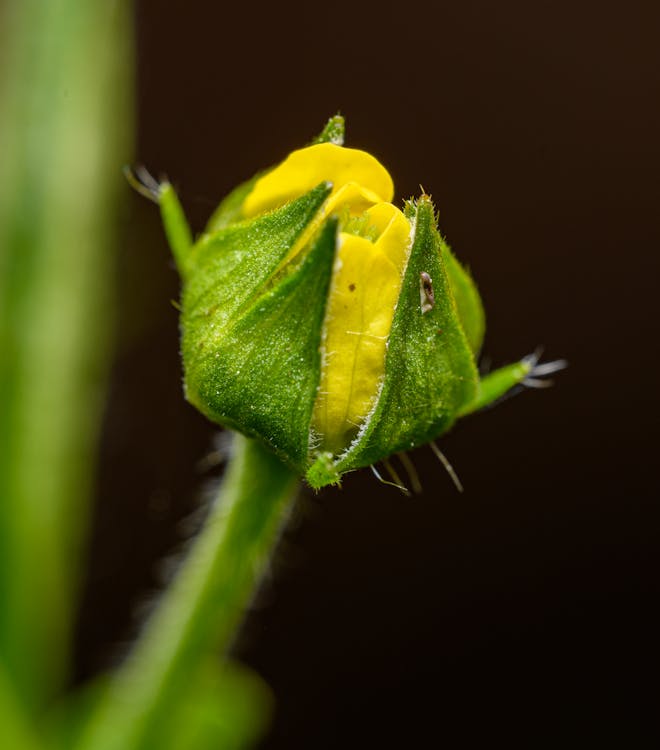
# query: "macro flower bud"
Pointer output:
{"type": "Point", "coordinates": [321, 319]}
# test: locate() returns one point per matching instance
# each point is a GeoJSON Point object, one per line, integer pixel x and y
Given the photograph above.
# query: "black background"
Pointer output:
{"type": "Point", "coordinates": [524, 608]}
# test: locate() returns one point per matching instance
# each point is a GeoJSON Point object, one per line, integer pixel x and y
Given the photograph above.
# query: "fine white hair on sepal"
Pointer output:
{"type": "Point", "coordinates": [143, 182]}
{"type": "Point", "coordinates": [534, 378]}
{"type": "Point", "coordinates": [411, 471]}
{"type": "Point", "coordinates": [378, 476]}
{"type": "Point", "coordinates": [395, 476]}
{"type": "Point", "coordinates": [315, 439]}
{"type": "Point", "coordinates": [448, 467]}
{"type": "Point", "coordinates": [537, 383]}
{"type": "Point", "coordinates": [218, 455]}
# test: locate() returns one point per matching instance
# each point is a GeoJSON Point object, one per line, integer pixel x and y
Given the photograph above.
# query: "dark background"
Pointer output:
{"type": "Point", "coordinates": [523, 609]}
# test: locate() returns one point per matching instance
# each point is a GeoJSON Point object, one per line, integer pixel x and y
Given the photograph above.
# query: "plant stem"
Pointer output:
{"type": "Point", "coordinates": [201, 611]}
{"type": "Point", "coordinates": [17, 731]}
{"type": "Point", "coordinates": [65, 123]}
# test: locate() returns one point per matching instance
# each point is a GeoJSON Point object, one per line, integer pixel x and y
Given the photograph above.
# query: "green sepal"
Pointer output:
{"type": "Point", "coordinates": [333, 132]}
{"type": "Point", "coordinates": [177, 231]}
{"type": "Point", "coordinates": [260, 374]}
{"type": "Point", "coordinates": [228, 269]}
{"type": "Point", "coordinates": [230, 209]}
{"type": "Point", "coordinates": [468, 302]}
{"type": "Point", "coordinates": [498, 383]}
{"type": "Point", "coordinates": [429, 368]}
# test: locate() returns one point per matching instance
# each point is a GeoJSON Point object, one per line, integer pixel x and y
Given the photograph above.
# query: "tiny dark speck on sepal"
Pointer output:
{"type": "Point", "coordinates": [426, 295]}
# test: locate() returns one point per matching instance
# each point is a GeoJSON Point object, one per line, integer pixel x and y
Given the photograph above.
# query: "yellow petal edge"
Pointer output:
{"type": "Point", "coordinates": [366, 279]}
{"type": "Point", "coordinates": [304, 169]}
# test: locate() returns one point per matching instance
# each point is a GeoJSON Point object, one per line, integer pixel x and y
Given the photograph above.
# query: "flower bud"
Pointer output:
{"type": "Point", "coordinates": [321, 319]}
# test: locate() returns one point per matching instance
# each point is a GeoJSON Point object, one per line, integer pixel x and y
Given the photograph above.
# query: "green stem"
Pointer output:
{"type": "Point", "coordinates": [17, 730]}
{"type": "Point", "coordinates": [202, 610]}
{"type": "Point", "coordinates": [65, 122]}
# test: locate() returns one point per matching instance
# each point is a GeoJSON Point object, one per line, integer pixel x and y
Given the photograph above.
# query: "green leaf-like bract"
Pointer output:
{"type": "Point", "coordinates": [468, 302]}
{"type": "Point", "coordinates": [251, 338]}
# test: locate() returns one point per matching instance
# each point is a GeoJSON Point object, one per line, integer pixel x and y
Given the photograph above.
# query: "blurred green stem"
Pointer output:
{"type": "Point", "coordinates": [17, 731]}
{"type": "Point", "coordinates": [65, 129]}
{"type": "Point", "coordinates": [201, 611]}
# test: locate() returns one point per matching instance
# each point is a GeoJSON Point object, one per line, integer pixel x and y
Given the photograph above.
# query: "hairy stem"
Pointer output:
{"type": "Point", "coordinates": [201, 612]}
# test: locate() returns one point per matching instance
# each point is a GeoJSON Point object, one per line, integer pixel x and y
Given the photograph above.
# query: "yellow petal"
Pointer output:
{"type": "Point", "coordinates": [354, 198]}
{"type": "Point", "coordinates": [394, 232]}
{"type": "Point", "coordinates": [365, 289]}
{"type": "Point", "coordinates": [304, 169]}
